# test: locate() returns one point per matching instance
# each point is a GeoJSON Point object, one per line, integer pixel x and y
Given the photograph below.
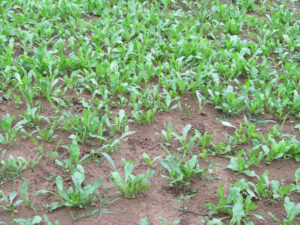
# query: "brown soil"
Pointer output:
{"type": "Point", "coordinates": [157, 201]}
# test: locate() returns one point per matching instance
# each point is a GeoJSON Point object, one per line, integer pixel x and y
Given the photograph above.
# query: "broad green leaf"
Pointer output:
{"type": "Point", "coordinates": [107, 156]}
{"type": "Point", "coordinates": [250, 173]}
{"type": "Point", "coordinates": [118, 181]}
{"type": "Point", "coordinates": [36, 220]}
{"type": "Point", "coordinates": [59, 184]}
{"type": "Point", "coordinates": [96, 184]}
{"type": "Point", "coordinates": [215, 221]}
{"type": "Point", "coordinates": [176, 222]}
{"type": "Point", "coordinates": [233, 164]}
{"type": "Point", "coordinates": [291, 208]}
{"type": "Point", "coordinates": [55, 205]}
{"type": "Point", "coordinates": [297, 175]}
{"type": "Point", "coordinates": [297, 127]}
{"type": "Point", "coordinates": [144, 221]}
{"type": "Point", "coordinates": [121, 114]}
{"type": "Point", "coordinates": [149, 174]}
{"type": "Point", "coordinates": [12, 196]}
{"type": "Point", "coordinates": [78, 176]}
{"type": "Point", "coordinates": [185, 130]}
{"type": "Point", "coordinates": [24, 192]}
{"type": "Point", "coordinates": [18, 202]}
{"type": "Point", "coordinates": [128, 168]}
{"type": "Point", "coordinates": [237, 211]}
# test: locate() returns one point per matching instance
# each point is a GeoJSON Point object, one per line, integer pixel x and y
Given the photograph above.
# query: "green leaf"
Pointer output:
{"type": "Point", "coordinates": [163, 220]}
{"type": "Point", "coordinates": [185, 130]}
{"type": "Point", "coordinates": [170, 163]}
{"type": "Point", "coordinates": [176, 222]}
{"type": "Point", "coordinates": [118, 181]}
{"type": "Point", "coordinates": [220, 192]}
{"type": "Point", "coordinates": [292, 210]}
{"type": "Point", "coordinates": [4, 197]}
{"type": "Point", "coordinates": [258, 216]}
{"type": "Point", "coordinates": [227, 124]}
{"type": "Point", "coordinates": [55, 205]}
{"type": "Point", "coordinates": [36, 219]}
{"type": "Point", "coordinates": [128, 168]}
{"type": "Point", "coordinates": [96, 184]}
{"type": "Point", "coordinates": [12, 196]}
{"type": "Point", "coordinates": [297, 127]}
{"type": "Point", "coordinates": [149, 174]}
{"type": "Point", "coordinates": [121, 114]}
{"type": "Point", "coordinates": [24, 192]}
{"type": "Point", "coordinates": [114, 66]}
{"type": "Point", "coordinates": [250, 173]}
{"type": "Point", "coordinates": [233, 164]}
{"type": "Point", "coordinates": [215, 221]}
{"type": "Point", "coordinates": [78, 176]}
{"type": "Point", "coordinates": [144, 221]}
{"type": "Point", "coordinates": [237, 211]}
{"type": "Point", "coordinates": [109, 159]}
{"type": "Point", "coordinates": [18, 202]}
{"type": "Point", "coordinates": [297, 175]}
{"type": "Point", "coordinates": [59, 184]}
{"type": "Point", "coordinates": [168, 100]}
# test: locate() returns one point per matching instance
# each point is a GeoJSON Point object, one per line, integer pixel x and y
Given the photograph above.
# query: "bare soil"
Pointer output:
{"type": "Point", "coordinates": [157, 201]}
